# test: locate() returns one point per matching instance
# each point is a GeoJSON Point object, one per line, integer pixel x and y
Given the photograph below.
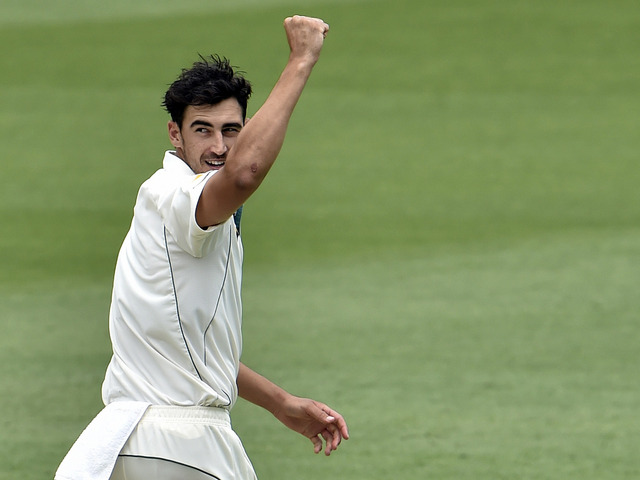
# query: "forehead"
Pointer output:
{"type": "Point", "coordinates": [226, 111]}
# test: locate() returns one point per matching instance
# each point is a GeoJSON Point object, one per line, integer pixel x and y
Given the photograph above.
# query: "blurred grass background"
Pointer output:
{"type": "Point", "coordinates": [447, 251]}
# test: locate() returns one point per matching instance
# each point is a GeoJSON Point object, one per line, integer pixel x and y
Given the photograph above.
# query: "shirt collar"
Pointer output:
{"type": "Point", "coordinates": [175, 164]}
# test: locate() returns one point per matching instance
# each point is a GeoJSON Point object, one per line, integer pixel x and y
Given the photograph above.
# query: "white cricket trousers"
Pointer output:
{"type": "Point", "coordinates": [183, 443]}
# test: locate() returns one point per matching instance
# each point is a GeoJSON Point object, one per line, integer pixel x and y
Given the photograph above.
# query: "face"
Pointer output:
{"type": "Point", "coordinates": [207, 135]}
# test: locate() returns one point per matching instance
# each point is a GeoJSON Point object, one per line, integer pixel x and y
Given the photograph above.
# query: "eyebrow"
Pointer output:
{"type": "Point", "coordinates": [200, 122]}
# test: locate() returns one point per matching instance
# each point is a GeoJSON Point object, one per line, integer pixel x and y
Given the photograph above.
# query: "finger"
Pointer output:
{"type": "Point", "coordinates": [308, 21]}
{"type": "Point", "coordinates": [336, 438]}
{"type": "Point", "coordinates": [317, 444]}
{"type": "Point", "coordinates": [338, 420]}
{"type": "Point", "coordinates": [321, 413]}
{"type": "Point", "coordinates": [328, 441]}
{"type": "Point", "coordinates": [325, 29]}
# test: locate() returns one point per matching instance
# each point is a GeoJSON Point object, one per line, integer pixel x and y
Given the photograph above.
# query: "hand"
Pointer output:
{"type": "Point", "coordinates": [315, 421]}
{"type": "Point", "coordinates": [305, 36]}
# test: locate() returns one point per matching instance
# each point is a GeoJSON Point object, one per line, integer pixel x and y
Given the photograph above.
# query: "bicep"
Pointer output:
{"type": "Point", "coordinates": [222, 195]}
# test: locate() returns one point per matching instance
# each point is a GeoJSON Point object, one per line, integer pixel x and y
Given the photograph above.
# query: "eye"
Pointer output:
{"type": "Point", "coordinates": [231, 131]}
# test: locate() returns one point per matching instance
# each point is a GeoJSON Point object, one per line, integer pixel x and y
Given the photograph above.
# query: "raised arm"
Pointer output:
{"type": "Point", "coordinates": [260, 141]}
{"type": "Point", "coordinates": [312, 419]}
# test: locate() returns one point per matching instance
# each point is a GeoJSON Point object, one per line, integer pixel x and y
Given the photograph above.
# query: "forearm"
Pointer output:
{"type": "Point", "coordinates": [312, 419]}
{"type": "Point", "coordinates": [260, 141]}
{"type": "Point", "coordinates": [260, 391]}
{"type": "Point", "coordinates": [256, 149]}
{"type": "Point", "coordinates": [262, 138]}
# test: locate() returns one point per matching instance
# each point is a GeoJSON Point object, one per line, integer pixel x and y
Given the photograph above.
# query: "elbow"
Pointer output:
{"type": "Point", "coordinates": [249, 177]}
{"type": "Point", "coordinates": [248, 166]}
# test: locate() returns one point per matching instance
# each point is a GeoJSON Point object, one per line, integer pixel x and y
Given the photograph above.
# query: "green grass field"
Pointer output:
{"type": "Point", "coordinates": [447, 252]}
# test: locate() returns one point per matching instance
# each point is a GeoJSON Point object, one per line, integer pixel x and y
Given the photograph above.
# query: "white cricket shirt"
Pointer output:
{"type": "Point", "coordinates": [175, 317]}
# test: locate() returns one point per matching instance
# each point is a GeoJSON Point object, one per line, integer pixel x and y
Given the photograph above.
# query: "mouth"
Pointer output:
{"type": "Point", "coordinates": [215, 164]}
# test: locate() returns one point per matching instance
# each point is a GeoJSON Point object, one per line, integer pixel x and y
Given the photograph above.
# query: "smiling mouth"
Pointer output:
{"type": "Point", "coordinates": [215, 163]}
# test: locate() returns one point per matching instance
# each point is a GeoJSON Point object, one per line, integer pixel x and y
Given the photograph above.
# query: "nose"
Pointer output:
{"type": "Point", "coordinates": [218, 145]}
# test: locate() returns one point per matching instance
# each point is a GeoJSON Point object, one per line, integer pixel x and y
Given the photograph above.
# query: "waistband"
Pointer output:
{"type": "Point", "coordinates": [190, 415]}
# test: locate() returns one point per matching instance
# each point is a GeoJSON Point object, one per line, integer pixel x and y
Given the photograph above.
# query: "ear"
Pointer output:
{"type": "Point", "coordinates": [174, 134]}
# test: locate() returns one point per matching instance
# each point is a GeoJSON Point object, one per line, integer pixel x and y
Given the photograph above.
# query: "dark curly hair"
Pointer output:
{"type": "Point", "coordinates": [208, 82]}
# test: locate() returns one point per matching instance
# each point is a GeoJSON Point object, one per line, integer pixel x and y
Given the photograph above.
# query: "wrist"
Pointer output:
{"type": "Point", "coordinates": [302, 63]}
{"type": "Point", "coordinates": [277, 400]}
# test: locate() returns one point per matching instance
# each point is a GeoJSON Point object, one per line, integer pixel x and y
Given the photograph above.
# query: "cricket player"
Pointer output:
{"type": "Point", "coordinates": [175, 317]}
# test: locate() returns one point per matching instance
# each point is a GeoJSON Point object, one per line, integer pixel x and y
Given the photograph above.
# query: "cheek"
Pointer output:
{"type": "Point", "coordinates": [191, 154]}
{"type": "Point", "coordinates": [230, 141]}
{"type": "Point", "coordinates": [194, 148]}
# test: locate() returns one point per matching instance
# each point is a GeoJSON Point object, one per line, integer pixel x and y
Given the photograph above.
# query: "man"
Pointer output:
{"type": "Point", "coordinates": [175, 318]}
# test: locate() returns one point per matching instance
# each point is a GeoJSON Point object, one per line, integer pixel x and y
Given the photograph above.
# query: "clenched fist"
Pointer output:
{"type": "Point", "coordinates": [305, 36]}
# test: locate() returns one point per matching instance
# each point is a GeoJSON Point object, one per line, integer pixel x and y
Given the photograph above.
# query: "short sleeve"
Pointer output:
{"type": "Point", "coordinates": [177, 207]}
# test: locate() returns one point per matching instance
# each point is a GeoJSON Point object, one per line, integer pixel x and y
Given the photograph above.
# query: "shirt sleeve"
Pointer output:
{"type": "Point", "coordinates": [177, 207]}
